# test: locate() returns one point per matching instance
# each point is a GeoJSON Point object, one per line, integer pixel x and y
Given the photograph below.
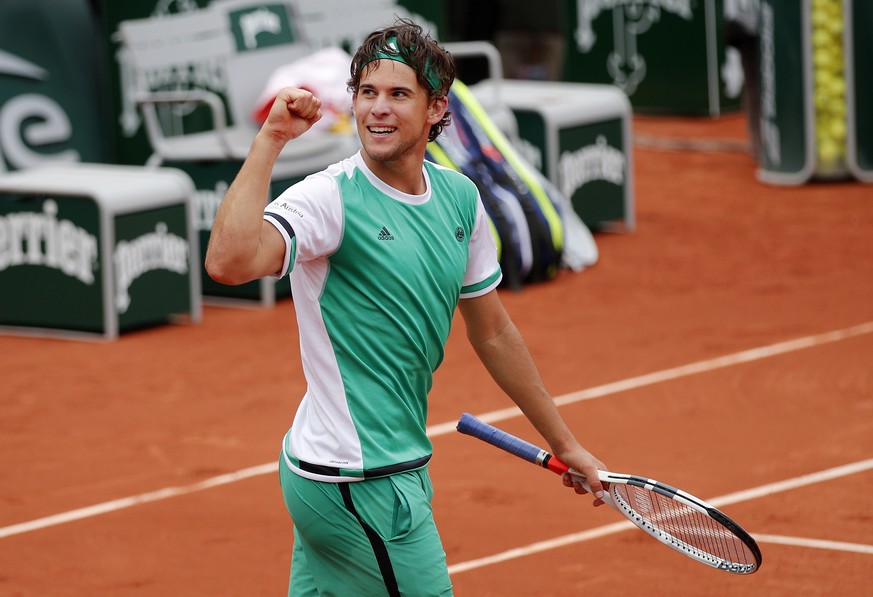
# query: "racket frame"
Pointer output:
{"type": "Point", "coordinates": [470, 425]}
{"type": "Point", "coordinates": [615, 500]}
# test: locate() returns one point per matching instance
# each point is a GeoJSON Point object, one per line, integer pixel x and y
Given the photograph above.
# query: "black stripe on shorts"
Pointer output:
{"type": "Point", "coordinates": [379, 548]}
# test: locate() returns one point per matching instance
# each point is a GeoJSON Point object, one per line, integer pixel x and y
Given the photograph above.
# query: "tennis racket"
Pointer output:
{"type": "Point", "coordinates": [675, 518]}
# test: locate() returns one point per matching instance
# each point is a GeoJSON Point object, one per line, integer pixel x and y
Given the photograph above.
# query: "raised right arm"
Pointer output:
{"type": "Point", "coordinates": [243, 246]}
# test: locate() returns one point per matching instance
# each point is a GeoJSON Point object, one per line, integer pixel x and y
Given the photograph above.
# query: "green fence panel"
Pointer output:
{"type": "Point", "coordinates": [785, 70]}
{"type": "Point", "coordinates": [859, 76]}
{"type": "Point", "coordinates": [52, 280]}
{"type": "Point", "coordinates": [139, 237]}
{"type": "Point", "coordinates": [668, 57]}
{"type": "Point", "coordinates": [52, 84]}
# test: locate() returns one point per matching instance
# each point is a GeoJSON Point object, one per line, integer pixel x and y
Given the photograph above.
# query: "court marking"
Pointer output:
{"type": "Point", "coordinates": [631, 383]}
{"type": "Point", "coordinates": [815, 543]}
{"type": "Point", "coordinates": [732, 498]}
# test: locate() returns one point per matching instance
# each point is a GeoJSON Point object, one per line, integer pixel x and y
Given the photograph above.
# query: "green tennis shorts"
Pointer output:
{"type": "Point", "coordinates": [368, 538]}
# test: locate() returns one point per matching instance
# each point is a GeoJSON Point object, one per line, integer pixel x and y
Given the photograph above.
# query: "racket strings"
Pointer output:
{"type": "Point", "coordinates": [681, 522]}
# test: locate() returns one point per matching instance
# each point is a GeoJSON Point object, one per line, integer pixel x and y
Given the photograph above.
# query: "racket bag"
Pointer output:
{"type": "Point", "coordinates": [524, 215]}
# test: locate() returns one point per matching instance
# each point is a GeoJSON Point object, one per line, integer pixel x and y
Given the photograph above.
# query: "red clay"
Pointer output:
{"type": "Point", "coordinates": [719, 263]}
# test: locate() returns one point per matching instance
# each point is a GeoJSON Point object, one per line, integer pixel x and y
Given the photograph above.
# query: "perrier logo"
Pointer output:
{"type": "Point", "coordinates": [592, 162]}
{"type": "Point", "coordinates": [39, 238]}
{"type": "Point", "coordinates": [158, 250]}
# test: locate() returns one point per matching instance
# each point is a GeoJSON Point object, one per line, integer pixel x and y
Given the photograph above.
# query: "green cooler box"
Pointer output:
{"type": "Point", "coordinates": [579, 136]}
{"type": "Point", "coordinates": [95, 250]}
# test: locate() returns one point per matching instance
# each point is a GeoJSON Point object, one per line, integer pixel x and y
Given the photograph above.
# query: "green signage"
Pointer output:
{"type": "Point", "coordinates": [151, 262]}
{"type": "Point", "coordinates": [786, 127]}
{"type": "Point", "coordinates": [51, 85]}
{"type": "Point", "coordinates": [860, 50]}
{"type": "Point", "coordinates": [668, 56]}
{"type": "Point", "coordinates": [588, 164]}
{"type": "Point", "coordinates": [50, 263]}
{"type": "Point", "coordinates": [593, 171]}
{"type": "Point", "coordinates": [261, 27]}
{"type": "Point", "coordinates": [57, 272]}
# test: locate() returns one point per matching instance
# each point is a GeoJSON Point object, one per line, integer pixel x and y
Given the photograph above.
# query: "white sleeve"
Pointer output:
{"type": "Point", "coordinates": [483, 268]}
{"type": "Point", "coordinates": [309, 217]}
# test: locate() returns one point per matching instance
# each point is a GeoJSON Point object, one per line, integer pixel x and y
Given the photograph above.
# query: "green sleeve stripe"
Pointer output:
{"type": "Point", "coordinates": [483, 284]}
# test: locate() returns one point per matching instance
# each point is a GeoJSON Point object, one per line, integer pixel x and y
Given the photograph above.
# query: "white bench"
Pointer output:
{"type": "Point", "coordinates": [224, 54]}
{"type": "Point", "coordinates": [222, 57]}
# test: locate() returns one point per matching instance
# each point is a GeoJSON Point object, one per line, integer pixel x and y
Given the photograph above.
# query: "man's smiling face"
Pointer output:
{"type": "Point", "coordinates": [393, 111]}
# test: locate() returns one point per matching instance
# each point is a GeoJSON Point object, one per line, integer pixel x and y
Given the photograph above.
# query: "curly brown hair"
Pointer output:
{"type": "Point", "coordinates": [434, 66]}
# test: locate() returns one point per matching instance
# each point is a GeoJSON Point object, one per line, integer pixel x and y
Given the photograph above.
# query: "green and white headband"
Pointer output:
{"type": "Point", "coordinates": [391, 52]}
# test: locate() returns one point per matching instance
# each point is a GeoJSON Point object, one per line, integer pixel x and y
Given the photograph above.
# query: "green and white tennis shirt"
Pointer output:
{"type": "Point", "coordinates": [376, 275]}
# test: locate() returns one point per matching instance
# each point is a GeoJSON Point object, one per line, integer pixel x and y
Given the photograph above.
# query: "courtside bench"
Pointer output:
{"type": "Point", "coordinates": [91, 250]}
{"type": "Point", "coordinates": [217, 60]}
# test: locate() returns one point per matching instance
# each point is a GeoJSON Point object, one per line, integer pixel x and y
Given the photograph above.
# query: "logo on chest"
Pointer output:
{"type": "Point", "coordinates": [384, 234]}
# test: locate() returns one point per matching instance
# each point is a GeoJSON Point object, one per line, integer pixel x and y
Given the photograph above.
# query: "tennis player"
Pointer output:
{"type": "Point", "coordinates": [380, 249]}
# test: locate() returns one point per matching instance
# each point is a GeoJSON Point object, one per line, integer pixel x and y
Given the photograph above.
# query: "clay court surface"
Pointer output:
{"type": "Point", "coordinates": [725, 347]}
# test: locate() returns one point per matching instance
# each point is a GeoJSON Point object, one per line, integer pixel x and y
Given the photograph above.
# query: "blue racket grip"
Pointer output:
{"type": "Point", "coordinates": [470, 425]}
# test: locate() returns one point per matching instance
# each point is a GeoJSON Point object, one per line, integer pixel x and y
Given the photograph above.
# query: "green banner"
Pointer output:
{"type": "Point", "coordinates": [593, 171]}
{"type": "Point", "coordinates": [52, 100]}
{"type": "Point", "coordinates": [786, 127]}
{"type": "Point", "coordinates": [50, 263]}
{"type": "Point", "coordinates": [266, 27]}
{"type": "Point", "coordinates": [667, 56]}
{"type": "Point", "coordinates": [588, 164]}
{"type": "Point", "coordinates": [861, 48]}
{"type": "Point", "coordinates": [151, 264]}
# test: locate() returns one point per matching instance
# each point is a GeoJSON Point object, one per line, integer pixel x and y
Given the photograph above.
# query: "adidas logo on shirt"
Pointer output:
{"type": "Point", "coordinates": [385, 235]}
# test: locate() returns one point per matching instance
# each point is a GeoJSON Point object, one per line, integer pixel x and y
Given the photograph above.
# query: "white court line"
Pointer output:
{"type": "Point", "coordinates": [632, 383]}
{"type": "Point", "coordinates": [744, 356]}
{"type": "Point", "coordinates": [143, 498]}
{"type": "Point", "coordinates": [815, 543]}
{"type": "Point", "coordinates": [762, 491]}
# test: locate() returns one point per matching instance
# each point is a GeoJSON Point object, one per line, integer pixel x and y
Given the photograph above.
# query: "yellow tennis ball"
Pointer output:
{"type": "Point", "coordinates": [821, 38]}
{"type": "Point", "coordinates": [828, 152]}
{"type": "Point", "coordinates": [838, 130]}
{"type": "Point", "coordinates": [823, 58]}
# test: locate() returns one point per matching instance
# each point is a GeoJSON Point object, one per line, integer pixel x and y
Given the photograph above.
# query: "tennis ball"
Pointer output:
{"type": "Point", "coordinates": [838, 130]}
{"type": "Point", "coordinates": [822, 58]}
{"type": "Point", "coordinates": [828, 83]}
{"type": "Point", "coordinates": [828, 152]}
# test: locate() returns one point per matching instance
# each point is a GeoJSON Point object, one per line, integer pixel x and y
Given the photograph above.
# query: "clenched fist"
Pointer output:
{"type": "Point", "coordinates": [294, 111]}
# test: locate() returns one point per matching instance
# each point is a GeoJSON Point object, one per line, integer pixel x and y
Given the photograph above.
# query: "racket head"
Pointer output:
{"type": "Point", "coordinates": [683, 522]}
